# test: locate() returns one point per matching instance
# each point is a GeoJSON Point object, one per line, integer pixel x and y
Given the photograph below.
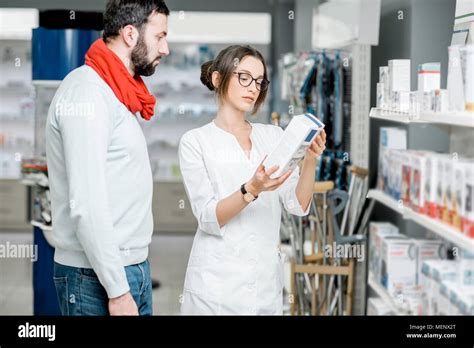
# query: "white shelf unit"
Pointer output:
{"type": "Point", "coordinates": [384, 295]}
{"type": "Point", "coordinates": [438, 227]}
{"type": "Point", "coordinates": [460, 119]}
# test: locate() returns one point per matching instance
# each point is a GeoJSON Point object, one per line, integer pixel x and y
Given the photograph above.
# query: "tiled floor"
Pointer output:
{"type": "Point", "coordinates": [168, 258]}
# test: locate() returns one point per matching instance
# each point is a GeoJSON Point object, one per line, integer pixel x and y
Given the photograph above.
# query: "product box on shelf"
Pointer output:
{"type": "Point", "coordinates": [401, 101]}
{"type": "Point", "coordinates": [458, 194]}
{"type": "Point", "coordinates": [381, 96]}
{"type": "Point", "coordinates": [430, 185]}
{"type": "Point", "coordinates": [413, 300]}
{"type": "Point", "coordinates": [383, 75]}
{"type": "Point", "coordinates": [467, 63]}
{"type": "Point", "coordinates": [398, 266]}
{"type": "Point", "coordinates": [399, 75]}
{"type": "Point", "coordinates": [445, 305]}
{"type": "Point", "coordinates": [395, 163]}
{"type": "Point", "coordinates": [465, 304]}
{"type": "Point", "coordinates": [426, 101]}
{"type": "Point", "coordinates": [414, 107]}
{"type": "Point", "coordinates": [418, 180]}
{"type": "Point", "coordinates": [466, 272]}
{"type": "Point", "coordinates": [454, 293]}
{"type": "Point", "coordinates": [429, 77]}
{"type": "Point", "coordinates": [390, 138]}
{"type": "Point", "coordinates": [444, 186]}
{"type": "Point", "coordinates": [378, 231]}
{"type": "Point", "coordinates": [455, 79]}
{"type": "Point", "coordinates": [468, 216]}
{"type": "Point", "coordinates": [428, 249]}
{"type": "Point", "coordinates": [433, 272]}
{"type": "Point", "coordinates": [377, 306]}
{"type": "Point", "coordinates": [440, 100]}
{"type": "Point", "coordinates": [405, 159]}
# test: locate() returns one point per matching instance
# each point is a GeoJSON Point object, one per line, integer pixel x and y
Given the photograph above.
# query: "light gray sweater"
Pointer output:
{"type": "Point", "coordinates": [100, 180]}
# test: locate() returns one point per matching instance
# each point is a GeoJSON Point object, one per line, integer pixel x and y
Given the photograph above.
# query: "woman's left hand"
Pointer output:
{"type": "Point", "coordinates": [317, 146]}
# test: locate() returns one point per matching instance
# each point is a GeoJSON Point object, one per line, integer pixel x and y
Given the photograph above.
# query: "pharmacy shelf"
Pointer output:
{"type": "Point", "coordinates": [384, 295]}
{"type": "Point", "coordinates": [441, 229]}
{"type": "Point", "coordinates": [461, 119]}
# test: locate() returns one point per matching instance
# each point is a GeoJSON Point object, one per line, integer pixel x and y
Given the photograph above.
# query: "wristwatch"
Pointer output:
{"type": "Point", "coordinates": [248, 197]}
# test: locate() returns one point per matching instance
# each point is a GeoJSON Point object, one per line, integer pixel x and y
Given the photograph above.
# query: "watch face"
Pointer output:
{"type": "Point", "coordinates": [248, 197]}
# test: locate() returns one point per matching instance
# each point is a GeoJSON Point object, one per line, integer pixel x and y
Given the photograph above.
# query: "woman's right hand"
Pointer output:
{"type": "Point", "coordinates": [261, 180]}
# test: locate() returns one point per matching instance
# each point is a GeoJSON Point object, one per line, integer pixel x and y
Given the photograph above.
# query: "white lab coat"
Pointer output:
{"type": "Point", "coordinates": [236, 268]}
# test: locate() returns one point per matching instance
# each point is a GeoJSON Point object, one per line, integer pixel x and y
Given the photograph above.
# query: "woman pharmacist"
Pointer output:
{"type": "Point", "coordinates": [235, 265]}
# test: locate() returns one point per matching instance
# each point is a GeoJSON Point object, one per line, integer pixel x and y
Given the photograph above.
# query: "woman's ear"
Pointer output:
{"type": "Point", "coordinates": [216, 79]}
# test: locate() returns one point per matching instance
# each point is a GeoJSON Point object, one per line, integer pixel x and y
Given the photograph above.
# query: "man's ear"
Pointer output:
{"type": "Point", "coordinates": [129, 35]}
{"type": "Point", "coordinates": [216, 79]}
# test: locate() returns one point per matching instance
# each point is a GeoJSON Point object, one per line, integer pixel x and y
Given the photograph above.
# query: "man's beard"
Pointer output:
{"type": "Point", "coordinates": [140, 60]}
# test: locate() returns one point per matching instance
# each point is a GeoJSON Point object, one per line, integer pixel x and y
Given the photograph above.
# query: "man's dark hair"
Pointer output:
{"type": "Point", "coordinates": [119, 13]}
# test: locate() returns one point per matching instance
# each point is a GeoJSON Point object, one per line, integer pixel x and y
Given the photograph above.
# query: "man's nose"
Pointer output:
{"type": "Point", "coordinates": [164, 49]}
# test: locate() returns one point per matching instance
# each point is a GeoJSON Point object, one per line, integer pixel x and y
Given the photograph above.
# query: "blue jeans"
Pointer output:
{"type": "Point", "coordinates": [80, 292]}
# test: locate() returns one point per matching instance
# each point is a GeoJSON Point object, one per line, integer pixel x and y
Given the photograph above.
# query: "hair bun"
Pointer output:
{"type": "Point", "coordinates": [206, 75]}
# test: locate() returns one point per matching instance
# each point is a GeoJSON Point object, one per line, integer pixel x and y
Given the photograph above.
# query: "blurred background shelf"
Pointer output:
{"type": "Point", "coordinates": [383, 294]}
{"type": "Point", "coordinates": [438, 227]}
{"type": "Point", "coordinates": [461, 119]}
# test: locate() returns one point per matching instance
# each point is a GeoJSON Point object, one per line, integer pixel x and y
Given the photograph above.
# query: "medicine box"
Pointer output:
{"type": "Point", "coordinates": [290, 150]}
{"type": "Point", "coordinates": [405, 158]}
{"type": "Point", "coordinates": [377, 306]}
{"type": "Point", "coordinates": [432, 186]}
{"type": "Point", "coordinates": [428, 249]}
{"type": "Point", "coordinates": [399, 75]}
{"type": "Point", "coordinates": [433, 273]}
{"type": "Point", "coordinates": [443, 187]}
{"type": "Point", "coordinates": [418, 180]}
{"type": "Point", "coordinates": [390, 138]}
{"type": "Point", "coordinates": [398, 267]}
{"type": "Point", "coordinates": [429, 77]}
{"type": "Point", "coordinates": [458, 195]}
{"type": "Point", "coordinates": [395, 163]}
{"type": "Point", "coordinates": [468, 218]}
{"type": "Point", "coordinates": [466, 272]}
{"type": "Point", "coordinates": [377, 231]}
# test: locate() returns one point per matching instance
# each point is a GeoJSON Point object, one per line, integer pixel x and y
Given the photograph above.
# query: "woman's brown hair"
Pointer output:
{"type": "Point", "coordinates": [225, 63]}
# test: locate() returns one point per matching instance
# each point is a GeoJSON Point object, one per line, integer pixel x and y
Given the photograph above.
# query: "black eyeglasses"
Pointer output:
{"type": "Point", "coordinates": [245, 80]}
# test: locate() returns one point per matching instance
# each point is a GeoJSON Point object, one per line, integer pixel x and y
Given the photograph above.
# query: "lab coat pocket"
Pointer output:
{"type": "Point", "coordinates": [203, 278]}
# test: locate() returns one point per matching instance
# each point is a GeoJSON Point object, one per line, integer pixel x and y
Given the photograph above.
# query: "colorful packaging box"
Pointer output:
{"type": "Point", "coordinates": [428, 249]}
{"type": "Point", "coordinates": [466, 272]}
{"type": "Point", "coordinates": [405, 159]}
{"type": "Point", "coordinates": [468, 218]}
{"type": "Point", "coordinates": [444, 183]}
{"type": "Point", "coordinates": [431, 184]}
{"type": "Point", "coordinates": [390, 138]}
{"type": "Point", "coordinates": [433, 273]}
{"type": "Point", "coordinates": [377, 232]}
{"type": "Point", "coordinates": [398, 268]}
{"type": "Point", "coordinates": [395, 173]}
{"type": "Point", "coordinates": [418, 181]}
{"type": "Point", "coordinates": [429, 77]}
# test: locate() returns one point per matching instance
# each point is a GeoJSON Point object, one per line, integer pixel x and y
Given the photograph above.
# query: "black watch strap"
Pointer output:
{"type": "Point", "coordinates": [244, 191]}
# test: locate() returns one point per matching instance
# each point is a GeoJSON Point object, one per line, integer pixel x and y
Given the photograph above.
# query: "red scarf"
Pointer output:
{"type": "Point", "coordinates": [130, 90]}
